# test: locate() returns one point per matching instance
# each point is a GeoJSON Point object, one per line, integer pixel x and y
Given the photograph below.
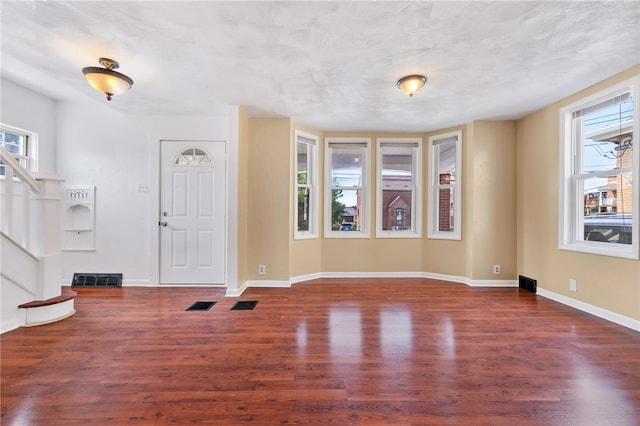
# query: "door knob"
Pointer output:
{"type": "Point", "coordinates": [162, 223]}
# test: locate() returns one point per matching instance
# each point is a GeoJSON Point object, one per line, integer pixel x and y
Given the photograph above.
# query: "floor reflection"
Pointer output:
{"type": "Point", "coordinates": [301, 336]}
{"type": "Point", "coordinates": [345, 331]}
{"type": "Point", "coordinates": [447, 340]}
{"type": "Point", "coordinates": [396, 330]}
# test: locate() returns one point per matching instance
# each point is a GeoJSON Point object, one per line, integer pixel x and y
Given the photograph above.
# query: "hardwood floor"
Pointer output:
{"type": "Point", "coordinates": [344, 352]}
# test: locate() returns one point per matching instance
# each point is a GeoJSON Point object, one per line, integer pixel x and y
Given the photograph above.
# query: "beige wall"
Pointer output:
{"type": "Point", "coordinates": [509, 205]}
{"type": "Point", "coordinates": [492, 227]}
{"type": "Point", "coordinates": [607, 282]}
{"type": "Point", "coordinates": [488, 211]}
{"type": "Point", "coordinates": [269, 189]}
{"type": "Point", "coordinates": [488, 206]}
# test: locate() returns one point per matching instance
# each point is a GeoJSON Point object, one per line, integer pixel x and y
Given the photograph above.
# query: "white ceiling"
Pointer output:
{"type": "Point", "coordinates": [327, 65]}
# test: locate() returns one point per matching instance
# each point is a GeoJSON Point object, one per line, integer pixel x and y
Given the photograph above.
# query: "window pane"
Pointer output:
{"type": "Point", "coordinates": [446, 207]}
{"type": "Point", "coordinates": [346, 167]}
{"type": "Point", "coordinates": [606, 137]}
{"type": "Point", "coordinates": [396, 210]}
{"type": "Point", "coordinates": [303, 163]}
{"type": "Point", "coordinates": [446, 153]}
{"type": "Point", "coordinates": [345, 209]}
{"type": "Point", "coordinates": [304, 197]}
{"type": "Point", "coordinates": [607, 209]}
{"type": "Point", "coordinates": [397, 165]}
{"type": "Point", "coordinates": [15, 144]}
{"type": "Point", "coordinates": [192, 157]}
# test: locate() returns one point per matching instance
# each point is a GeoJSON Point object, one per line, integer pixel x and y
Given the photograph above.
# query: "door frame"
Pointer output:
{"type": "Point", "coordinates": [210, 146]}
{"type": "Point", "coordinates": [231, 203]}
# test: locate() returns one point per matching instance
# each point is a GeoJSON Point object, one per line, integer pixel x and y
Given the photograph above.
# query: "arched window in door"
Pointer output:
{"type": "Point", "coordinates": [192, 157]}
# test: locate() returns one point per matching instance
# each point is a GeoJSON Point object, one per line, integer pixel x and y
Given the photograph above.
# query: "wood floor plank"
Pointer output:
{"type": "Point", "coordinates": [330, 351]}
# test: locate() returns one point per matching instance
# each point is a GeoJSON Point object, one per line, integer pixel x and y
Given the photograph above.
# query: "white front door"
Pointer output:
{"type": "Point", "coordinates": [192, 212]}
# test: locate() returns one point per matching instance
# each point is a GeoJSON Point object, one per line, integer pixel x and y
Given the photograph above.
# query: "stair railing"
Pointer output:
{"type": "Point", "coordinates": [15, 173]}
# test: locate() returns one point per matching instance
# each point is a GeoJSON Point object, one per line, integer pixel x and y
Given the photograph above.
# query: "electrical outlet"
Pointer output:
{"type": "Point", "coordinates": [573, 285]}
{"type": "Point", "coordinates": [262, 270]}
{"type": "Point", "coordinates": [496, 269]}
{"type": "Point", "coordinates": [143, 187]}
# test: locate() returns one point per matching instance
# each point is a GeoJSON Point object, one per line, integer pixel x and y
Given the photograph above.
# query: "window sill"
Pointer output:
{"type": "Point", "coordinates": [443, 236]}
{"type": "Point", "coordinates": [602, 249]}
{"type": "Point", "coordinates": [403, 235]}
{"type": "Point", "coordinates": [347, 235]}
{"type": "Point", "coordinates": [305, 236]}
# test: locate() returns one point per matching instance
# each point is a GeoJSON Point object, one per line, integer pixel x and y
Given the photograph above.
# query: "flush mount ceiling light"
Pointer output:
{"type": "Point", "coordinates": [411, 84]}
{"type": "Point", "coordinates": [106, 80]}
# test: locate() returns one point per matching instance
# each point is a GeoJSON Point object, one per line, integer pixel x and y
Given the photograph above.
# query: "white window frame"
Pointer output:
{"type": "Point", "coordinates": [571, 199]}
{"type": "Point", "coordinates": [312, 142]}
{"type": "Point", "coordinates": [31, 150]}
{"type": "Point", "coordinates": [416, 187]}
{"type": "Point", "coordinates": [433, 217]}
{"type": "Point", "coordinates": [364, 187]}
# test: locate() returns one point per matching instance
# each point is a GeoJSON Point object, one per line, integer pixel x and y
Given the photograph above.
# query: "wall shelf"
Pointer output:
{"type": "Point", "coordinates": [79, 217]}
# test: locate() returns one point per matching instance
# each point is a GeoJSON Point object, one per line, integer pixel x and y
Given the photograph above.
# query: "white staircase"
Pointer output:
{"type": "Point", "coordinates": [30, 270]}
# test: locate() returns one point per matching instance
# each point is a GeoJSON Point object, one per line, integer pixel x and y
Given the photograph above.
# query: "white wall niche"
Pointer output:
{"type": "Point", "coordinates": [79, 218]}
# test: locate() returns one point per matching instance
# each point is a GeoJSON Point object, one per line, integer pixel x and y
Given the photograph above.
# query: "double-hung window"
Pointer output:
{"type": "Point", "coordinates": [398, 182]}
{"type": "Point", "coordinates": [599, 173]}
{"type": "Point", "coordinates": [19, 143]}
{"type": "Point", "coordinates": [346, 188]}
{"type": "Point", "coordinates": [445, 160]}
{"type": "Point", "coordinates": [306, 190]}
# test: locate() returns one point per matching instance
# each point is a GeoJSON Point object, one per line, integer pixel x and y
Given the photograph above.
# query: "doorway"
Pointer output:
{"type": "Point", "coordinates": [192, 212]}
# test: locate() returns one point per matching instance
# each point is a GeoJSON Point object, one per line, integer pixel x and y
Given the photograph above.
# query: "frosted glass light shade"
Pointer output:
{"type": "Point", "coordinates": [411, 84]}
{"type": "Point", "coordinates": [106, 80]}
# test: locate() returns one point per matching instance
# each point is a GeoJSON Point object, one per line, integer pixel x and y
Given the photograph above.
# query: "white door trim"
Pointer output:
{"type": "Point", "coordinates": [193, 219]}
{"type": "Point", "coordinates": [230, 136]}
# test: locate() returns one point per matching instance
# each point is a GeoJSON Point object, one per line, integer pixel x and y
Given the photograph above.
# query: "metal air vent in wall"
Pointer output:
{"type": "Point", "coordinates": [97, 280]}
{"type": "Point", "coordinates": [528, 284]}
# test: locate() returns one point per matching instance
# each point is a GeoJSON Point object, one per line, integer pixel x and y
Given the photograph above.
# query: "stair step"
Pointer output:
{"type": "Point", "coordinates": [66, 294]}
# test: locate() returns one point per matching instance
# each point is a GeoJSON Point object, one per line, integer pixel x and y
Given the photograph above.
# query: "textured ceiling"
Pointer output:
{"type": "Point", "coordinates": [327, 65]}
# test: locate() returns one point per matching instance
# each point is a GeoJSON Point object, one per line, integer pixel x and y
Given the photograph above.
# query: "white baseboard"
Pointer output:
{"type": "Point", "coordinates": [492, 283]}
{"type": "Point", "coordinates": [585, 307]}
{"type": "Point", "coordinates": [442, 277]}
{"type": "Point", "coordinates": [9, 324]}
{"type": "Point", "coordinates": [303, 278]}
{"type": "Point", "coordinates": [370, 275]}
{"type": "Point", "coordinates": [590, 309]}
{"type": "Point", "coordinates": [470, 282]}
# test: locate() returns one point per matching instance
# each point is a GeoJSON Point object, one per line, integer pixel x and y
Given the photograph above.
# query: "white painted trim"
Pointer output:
{"type": "Point", "coordinates": [585, 307]}
{"type": "Point", "coordinates": [46, 314]}
{"type": "Point", "coordinates": [432, 184]}
{"type": "Point", "coordinates": [570, 211]}
{"type": "Point", "coordinates": [268, 284]}
{"type": "Point", "coordinates": [590, 309]}
{"type": "Point", "coordinates": [9, 325]}
{"type": "Point", "coordinates": [416, 189]}
{"type": "Point", "coordinates": [194, 286]}
{"type": "Point", "coordinates": [365, 187]}
{"type": "Point", "coordinates": [443, 277]}
{"type": "Point", "coordinates": [371, 275]}
{"type": "Point", "coordinates": [492, 283]}
{"type": "Point", "coordinates": [236, 292]}
{"type": "Point", "coordinates": [19, 246]}
{"type": "Point", "coordinates": [470, 282]}
{"type": "Point", "coordinates": [303, 278]}
{"type": "Point", "coordinates": [314, 213]}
